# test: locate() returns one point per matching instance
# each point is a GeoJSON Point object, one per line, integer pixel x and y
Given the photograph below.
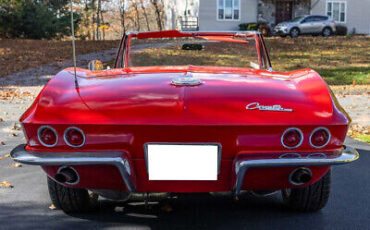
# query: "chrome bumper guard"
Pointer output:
{"type": "Point", "coordinates": [348, 155]}
{"type": "Point", "coordinates": [114, 158]}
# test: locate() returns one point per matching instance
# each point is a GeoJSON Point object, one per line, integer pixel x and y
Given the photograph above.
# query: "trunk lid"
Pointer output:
{"type": "Point", "coordinates": [233, 98]}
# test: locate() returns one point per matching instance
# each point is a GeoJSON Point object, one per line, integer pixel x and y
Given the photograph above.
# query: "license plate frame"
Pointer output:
{"type": "Point", "coordinates": [208, 158]}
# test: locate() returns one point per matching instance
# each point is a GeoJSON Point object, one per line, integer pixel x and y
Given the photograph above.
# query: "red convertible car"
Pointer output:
{"type": "Point", "coordinates": [186, 112]}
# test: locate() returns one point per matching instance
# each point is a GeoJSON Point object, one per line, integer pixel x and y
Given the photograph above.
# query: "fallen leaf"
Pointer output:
{"type": "Point", "coordinates": [13, 134]}
{"type": "Point", "coordinates": [16, 165]}
{"type": "Point", "coordinates": [15, 127]}
{"type": "Point", "coordinates": [6, 184]}
{"type": "Point", "coordinates": [3, 157]}
{"type": "Point", "coordinates": [2, 143]}
{"type": "Point", "coordinates": [52, 207]}
{"type": "Point", "coordinates": [1, 120]}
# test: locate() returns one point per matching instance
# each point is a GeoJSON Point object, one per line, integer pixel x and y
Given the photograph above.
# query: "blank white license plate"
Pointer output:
{"type": "Point", "coordinates": [182, 162]}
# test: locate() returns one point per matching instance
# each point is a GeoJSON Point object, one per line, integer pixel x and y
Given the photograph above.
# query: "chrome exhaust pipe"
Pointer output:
{"type": "Point", "coordinates": [300, 176]}
{"type": "Point", "coordinates": [67, 175]}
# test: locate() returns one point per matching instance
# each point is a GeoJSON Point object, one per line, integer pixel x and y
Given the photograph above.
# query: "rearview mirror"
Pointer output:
{"type": "Point", "coordinates": [95, 65]}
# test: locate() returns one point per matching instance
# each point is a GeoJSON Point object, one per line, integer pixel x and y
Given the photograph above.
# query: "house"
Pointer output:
{"type": "Point", "coordinates": [181, 14]}
{"type": "Point", "coordinates": [355, 14]}
{"type": "Point", "coordinates": [223, 15]}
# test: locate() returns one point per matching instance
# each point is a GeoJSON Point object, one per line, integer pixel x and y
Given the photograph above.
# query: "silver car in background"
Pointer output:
{"type": "Point", "coordinates": [311, 24]}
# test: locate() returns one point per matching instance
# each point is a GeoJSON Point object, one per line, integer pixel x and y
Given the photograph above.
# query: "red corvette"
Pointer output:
{"type": "Point", "coordinates": [186, 112]}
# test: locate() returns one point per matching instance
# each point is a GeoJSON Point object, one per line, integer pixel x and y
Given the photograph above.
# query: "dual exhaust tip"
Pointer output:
{"type": "Point", "coordinates": [67, 175]}
{"type": "Point", "coordinates": [300, 176]}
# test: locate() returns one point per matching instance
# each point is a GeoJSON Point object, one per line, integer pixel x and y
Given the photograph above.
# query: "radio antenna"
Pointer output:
{"type": "Point", "coordinates": [73, 46]}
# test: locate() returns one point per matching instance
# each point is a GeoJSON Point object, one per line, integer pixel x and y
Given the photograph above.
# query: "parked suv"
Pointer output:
{"type": "Point", "coordinates": [311, 24]}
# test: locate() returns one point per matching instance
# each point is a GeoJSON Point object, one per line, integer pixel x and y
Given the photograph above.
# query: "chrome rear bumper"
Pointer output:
{"type": "Point", "coordinates": [119, 159]}
{"type": "Point", "coordinates": [114, 158]}
{"type": "Point", "coordinates": [348, 155]}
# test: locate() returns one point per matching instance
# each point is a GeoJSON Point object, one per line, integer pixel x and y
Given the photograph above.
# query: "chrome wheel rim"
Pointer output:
{"type": "Point", "coordinates": [326, 32]}
{"type": "Point", "coordinates": [294, 33]}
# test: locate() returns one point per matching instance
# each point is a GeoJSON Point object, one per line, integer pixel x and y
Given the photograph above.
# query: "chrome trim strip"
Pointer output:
{"type": "Point", "coordinates": [114, 158]}
{"type": "Point", "coordinates": [290, 155]}
{"type": "Point", "coordinates": [67, 142]}
{"type": "Point", "coordinates": [327, 142]}
{"type": "Point", "coordinates": [300, 133]}
{"type": "Point", "coordinates": [317, 155]}
{"type": "Point", "coordinates": [52, 129]}
{"type": "Point", "coordinates": [348, 155]}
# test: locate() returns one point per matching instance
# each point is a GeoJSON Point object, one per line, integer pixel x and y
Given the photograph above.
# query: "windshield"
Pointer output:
{"type": "Point", "coordinates": [297, 19]}
{"type": "Point", "coordinates": [225, 51]}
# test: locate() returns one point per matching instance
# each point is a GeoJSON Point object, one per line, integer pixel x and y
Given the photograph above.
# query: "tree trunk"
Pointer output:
{"type": "Point", "coordinates": [98, 20]}
{"type": "Point", "coordinates": [87, 20]}
{"type": "Point", "coordinates": [103, 23]}
{"type": "Point", "coordinates": [93, 18]}
{"type": "Point", "coordinates": [158, 13]}
{"type": "Point", "coordinates": [145, 14]}
{"type": "Point", "coordinates": [123, 14]}
{"type": "Point", "coordinates": [136, 7]}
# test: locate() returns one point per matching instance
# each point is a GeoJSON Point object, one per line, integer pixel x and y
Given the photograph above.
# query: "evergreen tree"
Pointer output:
{"type": "Point", "coordinates": [35, 19]}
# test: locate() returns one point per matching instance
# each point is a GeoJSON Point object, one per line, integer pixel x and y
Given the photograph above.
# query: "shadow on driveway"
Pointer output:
{"type": "Point", "coordinates": [348, 208]}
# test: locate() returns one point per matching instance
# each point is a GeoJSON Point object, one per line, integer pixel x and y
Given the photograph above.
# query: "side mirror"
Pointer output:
{"type": "Point", "coordinates": [95, 65]}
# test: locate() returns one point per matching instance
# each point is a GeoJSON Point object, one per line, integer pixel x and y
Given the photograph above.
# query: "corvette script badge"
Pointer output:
{"type": "Point", "coordinates": [256, 105]}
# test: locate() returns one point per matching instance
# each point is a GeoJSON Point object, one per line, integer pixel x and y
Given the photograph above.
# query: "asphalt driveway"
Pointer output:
{"type": "Point", "coordinates": [26, 206]}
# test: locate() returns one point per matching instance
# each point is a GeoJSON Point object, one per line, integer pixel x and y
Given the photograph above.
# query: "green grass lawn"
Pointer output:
{"type": "Point", "coordinates": [339, 60]}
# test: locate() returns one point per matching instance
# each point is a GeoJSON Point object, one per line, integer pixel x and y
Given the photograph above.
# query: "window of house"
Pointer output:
{"type": "Point", "coordinates": [228, 9]}
{"type": "Point", "coordinates": [336, 10]}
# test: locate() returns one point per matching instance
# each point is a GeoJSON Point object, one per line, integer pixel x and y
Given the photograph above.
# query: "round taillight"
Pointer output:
{"type": "Point", "coordinates": [74, 137]}
{"type": "Point", "coordinates": [292, 138]}
{"type": "Point", "coordinates": [47, 136]}
{"type": "Point", "coordinates": [319, 137]}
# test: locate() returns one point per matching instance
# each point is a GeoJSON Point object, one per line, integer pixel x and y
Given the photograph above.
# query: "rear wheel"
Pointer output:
{"type": "Point", "coordinates": [283, 36]}
{"type": "Point", "coordinates": [326, 32]}
{"type": "Point", "coordinates": [71, 200]}
{"type": "Point", "coordinates": [311, 198]}
{"type": "Point", "coordinates": [294, 32]}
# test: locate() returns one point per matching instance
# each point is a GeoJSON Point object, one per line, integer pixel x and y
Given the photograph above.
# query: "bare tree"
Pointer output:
{"type": "Point", "coordinates": [103, 23]}
{"type": "Point", "coordinates": [122, 13]}
{"type": "Point", "coordinates": [98, 11]}
{"type": "Point", "coordinates": [145, 14]}
{"type": "Point", "coordinates": [93, 7]}
{"type": "Point", "coordinates": [135, 5]}
{"type": "Point", "coordinates": [158, 11]}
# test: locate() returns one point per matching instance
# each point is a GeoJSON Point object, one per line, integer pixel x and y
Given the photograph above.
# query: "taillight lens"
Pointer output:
{"type": "Point", "coordinates": [47, 136]}
{"type": "Point", "coordinates": [320, 137]}
{"type": "Point", "coordinates": [292, 138]}
{"type": "Point", "coordinates": [74, 137]}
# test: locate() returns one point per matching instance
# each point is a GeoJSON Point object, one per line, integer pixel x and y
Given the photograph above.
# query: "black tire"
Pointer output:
{"type": "Point", "coordinates": [294, 32]}
{"type": "Point", "coordinates": [283, 36]}
{"type": "Point", "coordinates": [326, 32]}
{"type": "Point", "coordinates": [71, 200]}
{"type": "Point", "coordinates": [311, 198]}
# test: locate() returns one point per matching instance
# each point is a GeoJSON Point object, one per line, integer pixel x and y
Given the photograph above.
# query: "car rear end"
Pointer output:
{"type": "Point", "coordinates": [186, 128]}
{"type": "Point", "coordinates": [132, 141]}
